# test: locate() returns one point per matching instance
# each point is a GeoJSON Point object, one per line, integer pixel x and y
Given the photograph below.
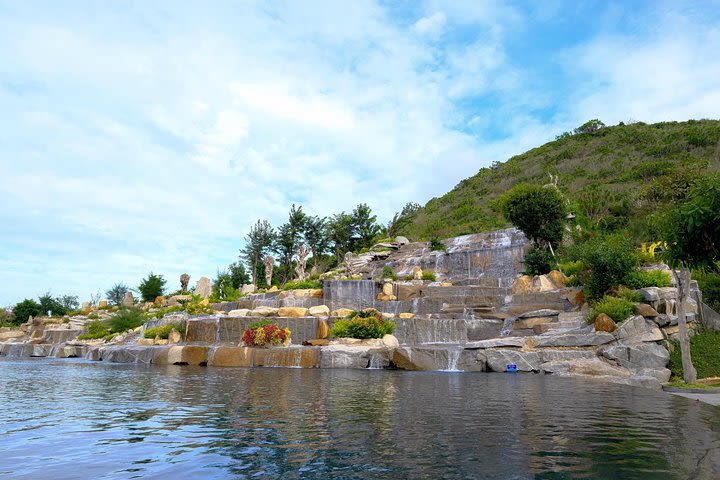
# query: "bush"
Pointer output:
{"type": "Point", "coordinates": [616, 308]}
{"type": "Point", "coordinates": [647, 278]}
{"type": "Point", "coordinates": [266, 335]}
{"type": "Point", "coordinates": [259, 323]}
{"type": "Point", "coordinates": [163, 331]}
{"type": "Point", "coordinates": [709, 284]}
{"type": "Point", "coordinates": [362, 325]}
{"type": "Point", "coordinates": [126, 319]}
{"type": "Point", "coordinates": [48, 303]}
{"type": "Point", "coordinates": [302, 284]}
{"type": "Point", "coordinates": [387, 272]}
{"type": "Point", "coordinates": [197, 307]}
{"type": "Point", "coordinates": [437, 246]}
{"type": "Point", "coordinates": [610, 259]}
{"type": "Point", "coordinates": [705, 353]}
{"type": "Point", "coordinates": [117, 292]}
{"type": "Point", "coordinates": [538, 211]}
{"type": "Point", "coordinates": [161, 312]}
{"type": "Point", "coordinates": [25, 310]}
{"type": "Point", "coordinates": [95, 329]}
{"type": "Point", "coordinates": [429, 276]}
{"type": "Point", "coordinates": [152, 287]}
{"type": "Point", "coordinates": [538, 261]}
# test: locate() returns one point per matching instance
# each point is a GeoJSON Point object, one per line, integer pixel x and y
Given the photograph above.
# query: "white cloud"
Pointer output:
{"type": "Point", "coordinates": [431, 25]}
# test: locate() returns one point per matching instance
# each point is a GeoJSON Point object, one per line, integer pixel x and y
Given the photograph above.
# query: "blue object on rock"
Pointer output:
{"type": "Point", "coordinates": [511, 367]}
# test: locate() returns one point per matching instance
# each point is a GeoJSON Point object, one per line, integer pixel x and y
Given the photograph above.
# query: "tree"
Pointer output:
{"type": "Point", "coordinates": [591, 127]}
{"type": "Point", "coordinates": [288, 239]}
{"type": "Point", "coordinates": [402, 219]}
{"type": "Point", "coordinates": [69, 302]}
{"type": "Point", "coordinates": [340, 234]}
{"type": "Point", "coordinates": [48, 303]}
{"type": "Point", "coordinates": [540, 212]}
{"type": "Point", "coordinates": [691, 229]}
{"type": "Point", "coordinates": [25, 310]}
{"type": "Point", "coordinates": [117, 293]}
{"type": "Point", "coordinates": [152, 287]}
{"type": "Point", "coordinates": [257, 242]}
{"type": "Point", "coordinates": [238, 274]}
{"type": "Point", "coordinates": [316, 236]}
{"type": "Point", "coordinates": [364, 227]}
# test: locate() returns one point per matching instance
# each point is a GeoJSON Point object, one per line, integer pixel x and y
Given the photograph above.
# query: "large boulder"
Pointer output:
{"type": "Point", "coordinates": [203, 287]}
{"type": "Point", "coordinates": [589, 366]}
{"type": "Point", "coordinates": [638, 355]}
{"type": "Point", "coordinates": [499, 359]}
{"type": "Point", "coordinates": [182, 355]}
{"type": "Point", "coordinates": [522, 285]}
{"type": "Point", "coordinates": [292, 312]}
{"type": "Point", "coordinates": [408, 291]}
{"type": "Point", "coordinates": [319, 311]}
{"type": "Point", "coordinates": [574, 339]}
{"type": "Point", "coordinates": [341, 312]}
{"type": "Point", "coordinates": [543, 283]}
{"type": "Point", "coordinates": [433, 358]}
{"type": "Point", "coordinates": [638, 329]}
{"type": "Point", "coordinates": [645, 310]}
{"type": "Point", "coordinates": [240, 312]}
{"type": "Point", "coordinates": [557, 278]}
{"type": "Point", "coordinates": [248, 289]}
{"type": "Point", "coordinates": [323, 331]}
{"type": "Point", "coordinates": [128, 300]}
{"type": "Point", "coordinates": [603, 323]}
{"type": "Point", "coordinates": [263, 312]}
{"type": "Point", "coordinates": [545, 312]}
{"type": "Point", "coordinates": [11, 335]}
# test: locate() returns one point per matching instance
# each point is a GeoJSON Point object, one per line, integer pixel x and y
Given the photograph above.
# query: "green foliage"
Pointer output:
{"type": "Point", "coordinates": [429, 276]}
{"type": "Point", "coordinates": [388, 273]}
{"type": "Point", "coordinates": [539, 212]}
{"type": "Point", "coordinates": [117, 293]}
{"type": "Point", "coordinates": [161, 312]}
{"type": "Point", "coordinates": [590, 127]}
{"type": "Point", "coordinates": [616, 308]}
{"type": "Point", "coordinates": [364, 227]}
{"type": "Point", "coordinates": [7, 318]}
{"type": "Point", "coordinates": [223, 289]}
{"type": "Point", "coordinates": [437, 246]}
{"type": "Point", "coordinates": [709, 283]}
{"type": "Point", "coordinates": [362, 325]}
{"type": "Point", "coordinates": [95, 329]}
{"type": "Point", "coordinates": [151, 287]}
{"type": "Point", "coordinates": [25, 310]}
{"type": "Point", "coordinates": [238, 275]}
{"type": "Point", "coordinates": [164, 331]}
{"type": "Point", "coordinates": [609, 260]}
{"type": "Point", "coordinates": [257, 243]}
{"type": "Point", "coordinates": [197, 307]}
{"type": "Point", "coordinates": [48, 303]}
{"type": "Point", "coordinates": [705, 353]}
{"type": "Point", "coordinates": [288, 238]}
{"type": "Point", "coordinates": [259, 323]}
{"type": "Point", "coordinates": [126, 319]}
{"type": "Point", "coordinates": [538, 261]}
{"type": "Point", "coordinates": [302, 284]}
{"type": "Point", "coordinates": [647, 278]}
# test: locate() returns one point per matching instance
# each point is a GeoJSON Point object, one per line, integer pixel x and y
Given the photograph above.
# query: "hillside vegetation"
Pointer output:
{"type": "Point", "coordinates": [612, 176]}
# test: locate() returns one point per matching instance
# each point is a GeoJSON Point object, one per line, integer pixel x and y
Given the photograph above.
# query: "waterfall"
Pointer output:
{"type": "Point", "coordinates": [453, 355]}
{"type": "Point", "coordinates": [354, 294]}
{"type": "Point", "coordinates": [375, 362]}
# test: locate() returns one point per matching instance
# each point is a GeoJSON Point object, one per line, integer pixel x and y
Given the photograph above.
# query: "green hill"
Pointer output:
{"type": "Point", "coordinates": [613, 178]}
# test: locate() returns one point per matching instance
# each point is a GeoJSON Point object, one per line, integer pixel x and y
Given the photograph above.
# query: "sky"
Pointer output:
{"type": "Point", "coordinates": [148, 136]}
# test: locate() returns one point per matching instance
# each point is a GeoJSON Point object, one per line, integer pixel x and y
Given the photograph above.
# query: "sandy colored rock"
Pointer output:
{"type": "Point", "coordinates": [390, 341]}
{"type": "Point", "coordinates": [645, 310]}
{"type": "Point", "coordinates": [248, 289]}
{"type": "Point", "coordinates": [146, 342]}
{"type": "Point", "coordinates": [317, 342]}
{"type": "Point", "coordinates": [408, 291]}
{"type": "Point", "coordinates": [102, 304]}
{"type": "Point", "coordinates": [542, 283]}
{"type": "Point", "coordinates": [231, 357]}
{"type": "Point", "coordinates": [160, 300]}
{"type": "Point", "coordinates": [86, 308]}
{"type": "Point", "coordinates": [319, 311]}
{"type": "Point", "coordinates": [240, 312]}
{"type": "Point", "coordinates": [386, 298]}
{"type": "Point", "coordinates": [557, 278]}
{"type": "Point", "coordinates": [522, 285]}
{"type": "Point", "coordinates": [182, 354]}
{"type": "Point", "coordinates": [417, 273]}
{"type": "Point", "coordinates": [388, 316]}
{"type": "Point", "coordinates": [12, 334]}
{"type": "Point", "coordinates": [292, 312]}
{"type": "Point", "coordinates": [406, 316]}
{"type": "Point", "coordinates": [446, 284]}
{"type": "Point", "coordinates": [263, 312]}
{"type": "Point", "coordinates": [174, 336]}
{"type": "Point", "coordinates": [532, 322]}
{"type": "Point", "coordinates": [387, 288]}
{"type": "Point", "coordinates": [604, 323]}
{"type": "Point", "coordinates": [341, 312]}
{"type": "Point", "coordinates": [323, 331]}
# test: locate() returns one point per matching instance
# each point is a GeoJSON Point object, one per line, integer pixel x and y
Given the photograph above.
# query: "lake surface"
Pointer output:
{"type": "Point", "coordinates": [65, 419]}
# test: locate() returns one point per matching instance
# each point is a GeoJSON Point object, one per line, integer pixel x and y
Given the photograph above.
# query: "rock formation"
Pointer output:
{"type": "Point", "coordinates": [269, 264]}
{"type": "Point", "coordinates": [184, 281]}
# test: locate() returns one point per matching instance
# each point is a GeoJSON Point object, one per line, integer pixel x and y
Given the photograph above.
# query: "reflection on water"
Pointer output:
{"type": "Point", "coordinates": [77, 419]}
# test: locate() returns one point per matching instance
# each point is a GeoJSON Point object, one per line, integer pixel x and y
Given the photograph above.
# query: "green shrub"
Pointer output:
{"type": "Point", "coordinates": [117, 292]}
{"type": "Point", "coordinates": [387, 272]}
{"type": "Point", "coordinates": [647, 278]}
{"type": "Point", "coordinates": [616, 308]}
{"type": "Point", "coordinates": [259, 323]}
{"type": "Point", "coordinates": [152, 287]}
{"type": "Point", "coordinates": [25, 310]}
{"type": "Point", "coordinates": [538, 261]}
{"type": "Point", "coordinates": [302, 284]}
{"type": "Point", "coordinates": [362, 325]}
{"type": "Point", "coordinates": [197, 307]}
{"type": "Point", "coordinates": [610, 259]}
{"type": "Point", "coordinates": [429, 276]}
{"type": "Point", "coordinates": [709, 284]}
{"type": "Point", "coordinates": [164, 331]}
{"type": "Point", "coordinates": [95, 329]}
{"type": "Point", "coordinates": [437, 246]}
{"type": "Point", "coordinates": [161, 312]}
{"type": "Point", "coordinates": [538, 211]}
{"type": "Point", "coordinates": [126, 319]}
{"type": "Point", "coordinates": [705, 353]}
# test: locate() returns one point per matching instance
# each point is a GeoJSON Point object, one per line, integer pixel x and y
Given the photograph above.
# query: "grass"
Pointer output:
{"type": "Point", "coordinates": [705, 354]}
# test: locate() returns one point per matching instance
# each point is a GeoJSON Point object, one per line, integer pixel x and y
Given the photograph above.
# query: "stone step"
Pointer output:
{"type": "Point", "coordinates": [485, 282]}
{"type": "Point", "coordinates": [464, 291]}
{"type": "Point", "coordinates": [524, 308]}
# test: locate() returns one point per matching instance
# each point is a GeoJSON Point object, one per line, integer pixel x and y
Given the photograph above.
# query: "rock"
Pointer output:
{"type": "Point", "coordinates": [574, 339]}
{"type": "Point", "coordinates": [263, 312]}
{"type": "Point", "coordinates": [231, 357]}
{"type": "Point", "coordinates": [160, 300]}
{"type": "Point", "coordinates": [349, 356]}
{"type": "Point", "coordinates": [400, 240]}
{"type": "Point", "coordinates": [102, 304]}
{"type": "Point", "coordinates": [639, 355]}
{"type": "Point", "coordinates": [387, 288]}
{"type": "Point", "coordinates": [86, 308]}
{"type": "Point", "coordinates": [129, 300]}
{"type": "Point", "coordinates": [408, 291]}
{"type": "Point", "coordinates": [433, 358]}
{"type": "Point", "coordinates": [557, 278]}
{"type": "Point", "coordinates": [274, 288]}
{"type": "Point", "coordinates": [496, 342]}
{"type": "Point", "coordinates": [319, 311]}
{"type": "Point", "coordinates": [292, 312]}
{"type": "Point", "coordinates": [341, 312]}
{"type": "Point", "coordinates": [247, 289]}
{"type": "Point", "coordinates": [11, 335]}
{"type": "Point", "coordinates": [203, 287]}
{"type": "Point", "coordinates": [649, 294]}
{"type": "Point", "coordinates": [667, 293]}
{"type": "Point", "coordinates": [522, 285]}
{"type": "Point", "coordinates": [388, 316]}
{"type": "Point", "coordinates": [446, 284]}
{"type": "Point", "coordinates": [241, 312]}
{"type": "Point", "coordinates": [174, 336]}
{"type": "Point", "coordinates": [386, 298]}
{"type": "Point", "coordinates": [390, 341]}
{"type": "Point", "coordinates": [590, 366]}
{"type": "Point", "coordinates": [546, 312]}
{"type": "Point", "coordinates": [315, 293]}
{"type": "Point", "coordinates": [638, 329]}
{"type": "Point", "coordinates": [645, 310]}
{"type": "Point", "coordinates": [542, 283]}
{"type": "Point", "coordinates": [322, 329]}
{"type": "Point", "coordinates": [498, 359]}
{"type": "Point", "coordinates": [146, 342]}
{"type": "Point", "coordinates": [603, 323]}
{"type": "Point", "coordinates": [575, 296]}
{"type": "Point", "coordinates": [662, 319]}
{"type": "Point", "coordinates": [161, 341]}
{"type": "Point", "coordinates": [182, 355]}
{"type": "Point", "coordinates": [406, 316]}
{"type": "Point", "coordinates": [532, 322]}
{"type": "Point", "coordinates": [554, 355]}
{"type": "Point", "coordinates": [417, 273]}
{"type": "Point", "coordinates": [317, 342]}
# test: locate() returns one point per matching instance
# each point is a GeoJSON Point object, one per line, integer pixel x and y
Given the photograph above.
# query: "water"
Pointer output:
{"type": "Point", "coordinates": [65, 419]}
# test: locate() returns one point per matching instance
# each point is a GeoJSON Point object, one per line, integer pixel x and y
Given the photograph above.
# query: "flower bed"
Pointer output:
{"type": "Point", "coordinates": [266, 336]}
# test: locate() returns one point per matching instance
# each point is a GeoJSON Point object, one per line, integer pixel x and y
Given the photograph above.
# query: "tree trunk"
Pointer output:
{"type": "Point", "coordinates": [682, 278]}
{"type": "Point", "coordinates": [254, 272]}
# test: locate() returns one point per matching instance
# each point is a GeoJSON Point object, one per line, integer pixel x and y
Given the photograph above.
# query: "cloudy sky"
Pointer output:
{"type": "Point", "coordinates": [149, 135]}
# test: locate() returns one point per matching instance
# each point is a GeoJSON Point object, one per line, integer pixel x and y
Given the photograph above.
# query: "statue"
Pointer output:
{"type": "Point", "coordinates": [269, 264]}
{"type": "Point", "coordinates": [349, 263]}
{"type": "Point", "coordinates": [184, 280]}
{"type": "Point", "coordinates": [301, 253]}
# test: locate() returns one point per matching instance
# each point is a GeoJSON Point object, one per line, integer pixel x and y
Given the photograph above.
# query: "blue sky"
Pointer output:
{"type": "Point", "coordinates": [138, 136]}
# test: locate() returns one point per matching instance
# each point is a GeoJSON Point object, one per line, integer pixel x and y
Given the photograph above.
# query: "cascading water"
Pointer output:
{"type": "Point", "coordinates": [354, 294]}
{"type": "Point", "coordinates": [453, 356]}
{"type": "Point", "coordinates": [375, 362]}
